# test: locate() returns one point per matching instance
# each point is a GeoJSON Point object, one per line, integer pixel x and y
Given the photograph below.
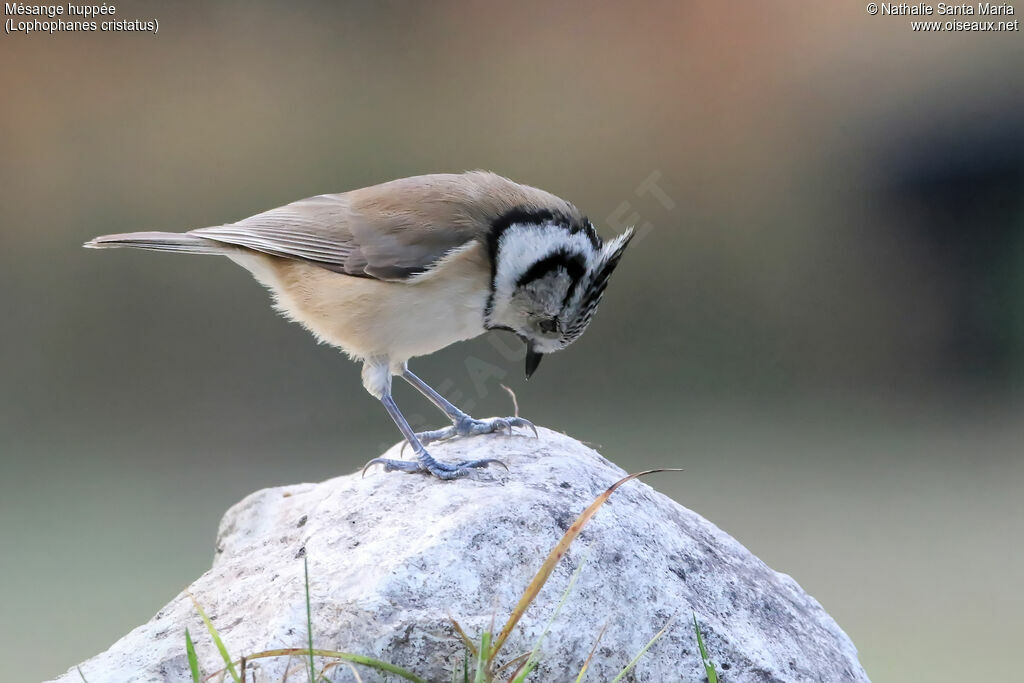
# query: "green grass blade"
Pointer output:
{"type": "Point", "coordinates": [217, 641]}
{"type": "Point", "coordinates": [644, 650]}
{"type": "Point", "coordinates": [586, 664]}
{"type": "Point", "coordinates": [369, 662]}
{"type": "Point", "coordinates": [525, 673]}
{"type": "Point", "coordinates": [483, 658]}
{"type": "Point", "coordinates": [309, 622]}
{"type": "Point", "coordinates": [193, 661]}
{"type": "Point", "coordinates": [709, 667]}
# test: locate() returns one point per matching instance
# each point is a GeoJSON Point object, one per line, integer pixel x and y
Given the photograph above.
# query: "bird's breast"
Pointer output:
{"type": "Point", "coordinates": [397, 320]}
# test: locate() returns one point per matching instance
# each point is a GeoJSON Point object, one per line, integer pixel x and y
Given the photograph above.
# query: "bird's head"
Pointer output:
{"type": "Point", "coordinates": [549, 274]}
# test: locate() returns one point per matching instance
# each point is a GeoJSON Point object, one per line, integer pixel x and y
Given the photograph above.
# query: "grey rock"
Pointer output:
{"type": "Point", "coordinates": [392, 556]}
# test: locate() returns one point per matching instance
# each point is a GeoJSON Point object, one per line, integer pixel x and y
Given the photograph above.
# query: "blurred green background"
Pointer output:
{"type": "Point", "coordinates": [823, 322]}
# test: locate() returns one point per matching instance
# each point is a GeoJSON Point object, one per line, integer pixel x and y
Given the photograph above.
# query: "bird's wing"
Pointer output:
{"type": "Point", "coordinates": [379, 232]}
{"type": "Point", "coordinates": [391, 231]}
{"type": "Point", "coordinates": [314, 230]}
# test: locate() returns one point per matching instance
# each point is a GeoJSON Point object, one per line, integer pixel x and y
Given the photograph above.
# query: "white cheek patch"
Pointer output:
{"type": "Point", "coordinates": [521, 246]}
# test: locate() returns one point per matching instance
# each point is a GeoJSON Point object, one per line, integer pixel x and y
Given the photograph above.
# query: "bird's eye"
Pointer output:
{"type": "Point", "coordinates": [549, 325]}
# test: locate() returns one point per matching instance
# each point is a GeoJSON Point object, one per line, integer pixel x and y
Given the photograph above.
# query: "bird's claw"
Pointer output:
{"type": "Point", "coordinates": [391, 465]}
{"type": "Point", "coordinates": [427, 465]}
{"type": "Point", "coordinates": [523, 422]}
{"type": "Point", "coordinates": [469, 427]}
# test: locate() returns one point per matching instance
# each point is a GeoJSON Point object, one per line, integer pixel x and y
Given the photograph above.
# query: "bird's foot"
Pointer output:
{"type": "Point", "coordinates": [426, 464]}
{"type": "Point", "coordinates": [467, 426]}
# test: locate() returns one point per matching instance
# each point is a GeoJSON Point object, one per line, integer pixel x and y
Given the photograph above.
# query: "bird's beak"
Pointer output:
{"type": "Point", "coordinates": [532, 360]}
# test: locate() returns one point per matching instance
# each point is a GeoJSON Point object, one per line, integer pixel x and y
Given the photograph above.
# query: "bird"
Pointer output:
{"type": "Point", "coordinates": [402, 269]}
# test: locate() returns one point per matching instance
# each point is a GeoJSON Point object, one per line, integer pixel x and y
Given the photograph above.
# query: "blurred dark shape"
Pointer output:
{"type": "Point", "coordinates": [960, 186]}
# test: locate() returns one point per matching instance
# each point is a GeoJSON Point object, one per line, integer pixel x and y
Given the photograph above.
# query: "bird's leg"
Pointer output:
{"type": "Point", "coordinates": [462, 424]}
{"type": "Point", "coordinates": [424, 461]}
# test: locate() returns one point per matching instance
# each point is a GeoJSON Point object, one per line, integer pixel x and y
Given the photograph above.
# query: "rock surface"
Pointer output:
{"type": "Point", "coordinates": [391, 556]}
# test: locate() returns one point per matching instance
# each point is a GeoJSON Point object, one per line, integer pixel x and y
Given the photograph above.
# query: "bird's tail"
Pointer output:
{"type": "Point", "coordinates": [181, 242]}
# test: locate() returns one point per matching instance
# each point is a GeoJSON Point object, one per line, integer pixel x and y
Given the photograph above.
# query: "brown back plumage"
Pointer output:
{"type": "Point", "coordinates": [390, 231]}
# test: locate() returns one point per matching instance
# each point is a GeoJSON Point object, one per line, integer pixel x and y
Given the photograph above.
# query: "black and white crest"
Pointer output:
{"type": "Point", "coordinates": [550, 271]}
